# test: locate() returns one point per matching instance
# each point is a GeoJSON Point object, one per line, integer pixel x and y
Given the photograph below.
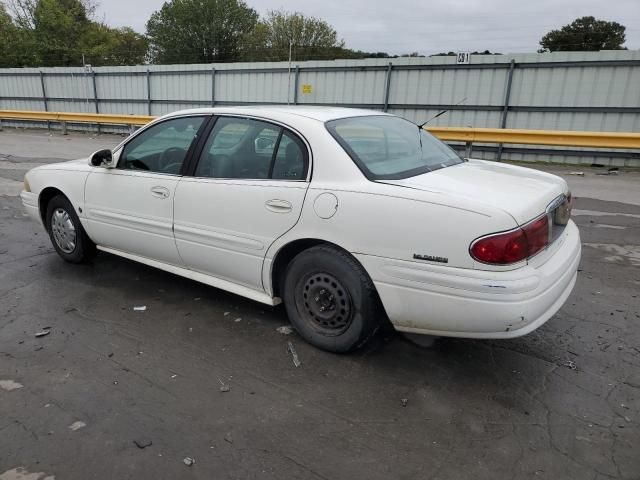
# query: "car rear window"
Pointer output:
{"type": "Point", "coordinates": [388, 147]}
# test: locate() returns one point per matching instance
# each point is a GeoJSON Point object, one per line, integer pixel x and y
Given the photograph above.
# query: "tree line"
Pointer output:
{"type": "Point", "coordinates": [68, 33]}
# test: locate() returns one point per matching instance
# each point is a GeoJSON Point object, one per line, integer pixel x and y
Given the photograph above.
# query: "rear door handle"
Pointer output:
{"type": "Point", "coordinates": [160, 192]}
{"type": "Point", "coordinates": [278, 206]}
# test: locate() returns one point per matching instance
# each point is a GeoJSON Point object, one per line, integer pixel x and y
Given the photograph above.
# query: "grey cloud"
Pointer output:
{"type": "Point", "coordinates": [427, 26]}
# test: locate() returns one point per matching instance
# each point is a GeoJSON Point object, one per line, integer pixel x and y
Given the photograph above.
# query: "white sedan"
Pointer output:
{"type": "Point", "coordinates": [348, 217]}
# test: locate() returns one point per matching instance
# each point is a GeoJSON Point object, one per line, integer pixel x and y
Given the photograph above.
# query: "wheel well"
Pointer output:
{"type": "Point", "coordinates": [285, 255]}
{"type": "Point", "coordinates": [43, 201]}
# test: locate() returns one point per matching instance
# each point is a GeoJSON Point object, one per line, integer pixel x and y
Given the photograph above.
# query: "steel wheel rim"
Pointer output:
{"type": "Point", "coordinates": [325, 303]}
{"type": "Point", "coordinates": [63, 230]}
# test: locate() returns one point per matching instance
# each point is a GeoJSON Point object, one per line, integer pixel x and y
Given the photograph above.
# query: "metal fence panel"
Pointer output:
{"type": "Point", "coordinates": [560, 91]}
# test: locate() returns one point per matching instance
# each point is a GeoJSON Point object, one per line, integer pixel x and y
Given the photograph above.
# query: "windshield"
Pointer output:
{"type": "Point", "coordinates": [387, 147]}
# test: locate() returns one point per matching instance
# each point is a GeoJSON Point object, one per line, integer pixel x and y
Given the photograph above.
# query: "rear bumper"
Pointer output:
{"type": "Point", "coordinates": [448, 301]}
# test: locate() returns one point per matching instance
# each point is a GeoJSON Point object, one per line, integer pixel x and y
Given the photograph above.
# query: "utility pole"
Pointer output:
{"type": "Point", "coordinates": [289, 80]}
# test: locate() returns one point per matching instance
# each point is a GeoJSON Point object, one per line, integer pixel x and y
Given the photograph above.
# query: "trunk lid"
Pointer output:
{"type": "Point", "coordinates": [524, 193]}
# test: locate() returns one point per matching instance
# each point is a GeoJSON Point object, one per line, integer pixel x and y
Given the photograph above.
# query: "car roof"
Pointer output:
{"type": "Point", "coordinates": [319, 113]}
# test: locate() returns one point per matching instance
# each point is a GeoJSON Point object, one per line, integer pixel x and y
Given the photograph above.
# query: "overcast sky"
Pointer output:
{"type": "Point", "coordinates": [426, 26]}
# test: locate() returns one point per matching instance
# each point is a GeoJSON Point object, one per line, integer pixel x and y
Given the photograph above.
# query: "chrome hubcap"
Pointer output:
{"type": "Point", "coordinates": [63, 230]}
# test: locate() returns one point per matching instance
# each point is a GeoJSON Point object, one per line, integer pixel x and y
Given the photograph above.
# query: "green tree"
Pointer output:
{"type": "Point", "coordinates": [199, 31]}
{"type": "Point", "coordinates": [58, 27]}
{"type": "Point", "coordinates": [309, 38]}
{"type": "Point", "coordinates": [585, 34]}
{"type": "Point", "coordinates": [7, 38]}
{"type": "Point", "coordinates": [102, 45]}
{"type": "Point", "coordinates": [63, 33]}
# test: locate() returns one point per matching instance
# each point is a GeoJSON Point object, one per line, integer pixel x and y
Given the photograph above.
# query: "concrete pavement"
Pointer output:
{"type": "Point", "coordinates": [560, 403]}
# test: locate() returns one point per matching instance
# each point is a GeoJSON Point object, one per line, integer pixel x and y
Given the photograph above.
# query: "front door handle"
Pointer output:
{"type": "Point", "coordinates": [278, 206]}
{"type": "Point", "coordinates": [160, 192]}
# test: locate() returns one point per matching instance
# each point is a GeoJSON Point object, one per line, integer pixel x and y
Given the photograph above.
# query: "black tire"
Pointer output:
{"type": "Point", "coordinates": [330, 299]}
{"type": "Point", "coordinates": [66, 232]}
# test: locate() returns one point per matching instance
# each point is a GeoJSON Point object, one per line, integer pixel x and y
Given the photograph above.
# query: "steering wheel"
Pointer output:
{"type": "Point", "coordinates": [166, 159]}
{"type": "Point", "coordinates": [172, 168]}
{"type": "Point", "coordinates": [138, 164]}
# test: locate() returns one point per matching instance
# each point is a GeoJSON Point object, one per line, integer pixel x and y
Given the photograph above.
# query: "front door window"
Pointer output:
{"type": "Point", "coordinates": [162, 148]}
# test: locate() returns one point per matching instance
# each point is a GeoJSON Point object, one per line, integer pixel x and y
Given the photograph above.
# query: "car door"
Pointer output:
{"type": "Point", "coordinates": [247, 189]}
{"type": "Point", "coordinates": [130, 207]}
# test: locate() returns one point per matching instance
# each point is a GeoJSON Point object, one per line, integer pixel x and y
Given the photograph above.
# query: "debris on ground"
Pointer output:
{"type": "Point", "coordinates": [77, 425]}
{"type": "Point", "coordinates": [226, 313]}
{"type": "Point", "coordinates": [228, 438]}
{"type": "Point", "coordinates": [294, 354]}
{"type": "Point", "coordinates": [188, 461]}
{"type": "Point", "coordinates": [9, 385]}
{"type": "Point", "coordinates": [404, 401]}
{"type": "Point", "coordinates": [143, 442]}
{"type": "Point", "coordinates": [110, 355]}
{"type": "Point", "coordinates": [569, 364]}
{"type": "Point", "coordinates": [576, 173]}
{"type": "Point", "coordinates": [285, 330]}
{"type": "Point", "coordinates": [44, 332]}
{"type": "Point", "coordinates": [141, 308]}
{"type": "Point", "coordinates": [610, 171]}
{"type": "Point", "coordinates": [224, 387]}
{"type": "Point", "coordinates": [239, 319]}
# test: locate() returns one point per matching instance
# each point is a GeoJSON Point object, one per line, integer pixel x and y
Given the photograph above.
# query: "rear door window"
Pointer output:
{"type": "Point", "coordinates": [245, 148]}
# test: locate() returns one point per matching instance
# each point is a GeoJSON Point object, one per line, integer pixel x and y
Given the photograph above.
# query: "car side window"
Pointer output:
{"type": "Point", "coordinates": [161, 148]}
{"type": "Point", "coordinates": [251, 149]}
{"type": "Point", "coordinates": [290, 161]}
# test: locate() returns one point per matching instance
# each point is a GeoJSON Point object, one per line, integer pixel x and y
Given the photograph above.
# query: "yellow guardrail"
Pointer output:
{"type": "Point", "coordinates": [95, 118]}
{"type": "Point", "coordinates": [538, 137]}
{"type": "Point", "coordinates": [467, 135]}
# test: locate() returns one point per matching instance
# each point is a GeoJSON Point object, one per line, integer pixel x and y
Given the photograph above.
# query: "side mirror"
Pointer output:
{"type": "Point", "coordinates": [101, 158]}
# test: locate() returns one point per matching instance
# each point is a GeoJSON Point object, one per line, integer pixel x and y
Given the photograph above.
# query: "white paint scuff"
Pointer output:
{"type": "Point", "coordinates": [77, 425]}
{"type": "Point", "coordinates": [9, 385]}
{"type": "Point", "coordinates": [21, 473]}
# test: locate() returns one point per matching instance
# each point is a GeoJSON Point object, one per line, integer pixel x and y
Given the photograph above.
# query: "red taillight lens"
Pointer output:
{"type": "Point", "coordinates": [537, 233]}
{"type": "Point", "coordinates": [501, 249]}
{"type": "Point", "coordinates": [513, 246]}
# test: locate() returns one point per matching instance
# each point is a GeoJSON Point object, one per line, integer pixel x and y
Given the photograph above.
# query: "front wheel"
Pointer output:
{"type": "Point", "coordinates": [330, 299]}
{"type": "Point", "coordinates": [66, 232]}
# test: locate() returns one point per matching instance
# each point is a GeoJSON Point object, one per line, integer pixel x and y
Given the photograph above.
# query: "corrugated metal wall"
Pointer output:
{"type": "Point", "coordinates": [560, 91]}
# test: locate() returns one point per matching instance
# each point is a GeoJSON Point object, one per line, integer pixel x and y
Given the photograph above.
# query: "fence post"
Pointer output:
{"type": "Point", "coordinates": [44, 98]}
{"type": "Point", "coordinates": [295, 85]}
{"type": "Point", "coordinates": [468, 149]}
{"type": "Point", "coordinates": [505, 106]}
{"type": "Point", "coordinates": [387, 87]}
{"type": "Point", "coordinates": [95, 97]}
{"type": "Point", "coordinates": [213, 86]}
{"type": "Point", "coordinates": [148, 92]}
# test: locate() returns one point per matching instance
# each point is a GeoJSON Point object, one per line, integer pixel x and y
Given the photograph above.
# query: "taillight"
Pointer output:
{"type": "Point", "coordinates": [537, 233]}
{"type": "Point", "coordinates": [513, 246]}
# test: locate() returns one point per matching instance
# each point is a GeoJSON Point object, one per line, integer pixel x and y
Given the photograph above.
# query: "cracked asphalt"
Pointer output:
{"type": "Point", "coordinates": [205, 374]}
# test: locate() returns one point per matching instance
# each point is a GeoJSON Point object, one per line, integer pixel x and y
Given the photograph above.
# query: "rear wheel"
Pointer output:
{"type": "Point", "coordinates": [66, 232]}
{"type": "Point", "coordinates": [330, 299]}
